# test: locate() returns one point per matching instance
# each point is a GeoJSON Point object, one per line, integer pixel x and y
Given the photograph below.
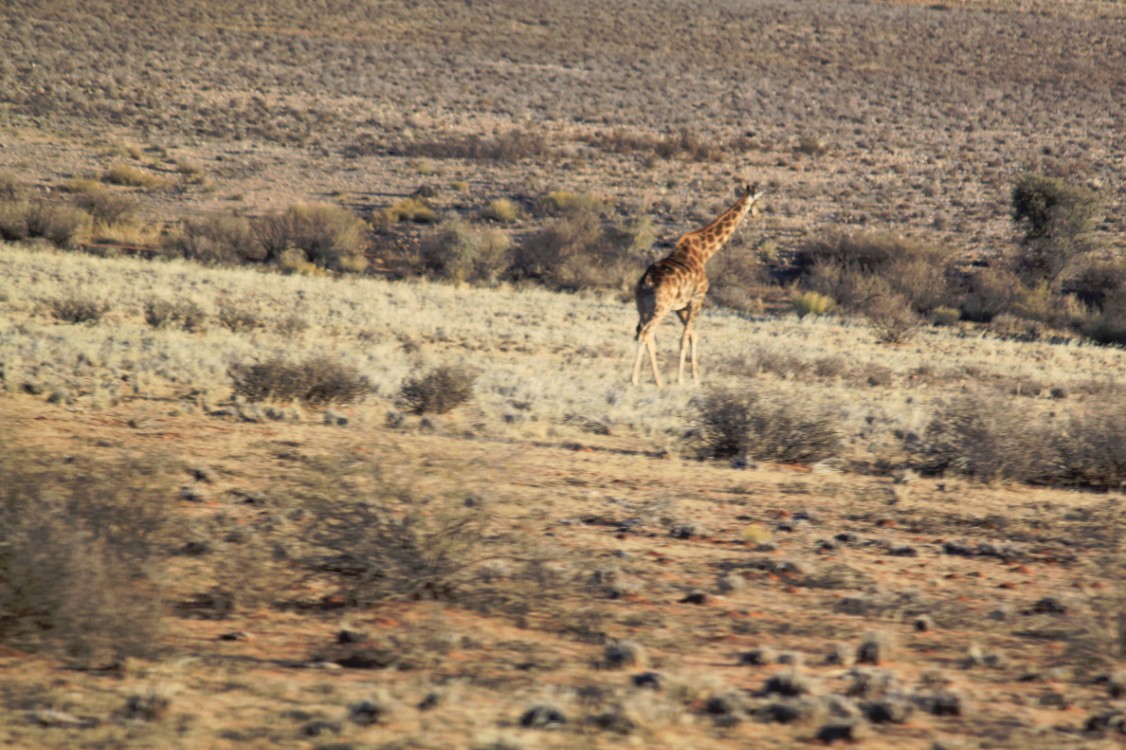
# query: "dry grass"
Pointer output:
{"type": "Point", "coordinates": [611, 532]}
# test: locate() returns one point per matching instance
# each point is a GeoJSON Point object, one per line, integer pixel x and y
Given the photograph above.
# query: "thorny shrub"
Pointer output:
{"type": "Point", "coordinates": [314, 380]}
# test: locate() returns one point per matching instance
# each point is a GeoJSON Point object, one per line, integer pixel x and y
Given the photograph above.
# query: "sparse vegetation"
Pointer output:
{"type": "Point", "coordinates": [745, 425]}
{"type": "Point", "coordinates": [438, 390]}
{"type": "Point", "coordinates": [464, 252]}
{"type": "Point", "coordinates": [128, 176]}
{"type": "Point", "coordinates": [314, 380]}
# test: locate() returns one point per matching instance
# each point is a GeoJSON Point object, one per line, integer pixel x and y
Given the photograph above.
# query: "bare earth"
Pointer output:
{"type": "Point", "coordinates": [906, 116]}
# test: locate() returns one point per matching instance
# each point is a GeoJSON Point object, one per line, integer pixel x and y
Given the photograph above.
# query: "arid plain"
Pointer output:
{"type": "Point", "coordinates": [560, 560]}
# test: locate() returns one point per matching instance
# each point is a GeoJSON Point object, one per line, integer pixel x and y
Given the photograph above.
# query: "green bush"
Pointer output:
{"type": "Point", "coordinates": [1058, 221]}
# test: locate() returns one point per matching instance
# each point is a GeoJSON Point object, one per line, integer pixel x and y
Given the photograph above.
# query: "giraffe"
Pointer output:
{"type": "Point", "coordinates": [679, 282]}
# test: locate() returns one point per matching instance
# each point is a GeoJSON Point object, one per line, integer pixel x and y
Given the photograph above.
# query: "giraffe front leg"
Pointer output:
{"type": "Point", "coordinates": [651, 345]}
{"type": "Point", "coordinates": [695, 368]}
{"type": "Point", "coordinates": [684, 340]}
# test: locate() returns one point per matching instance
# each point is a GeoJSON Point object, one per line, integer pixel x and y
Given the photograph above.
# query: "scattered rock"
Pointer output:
{"type": "Point", "coordinates": [695, 597]}
{"type": "Point", "coordinates": [792, 658]}
{"type": "Point", "coordinates": [758, 657]}
{"type": "Point", "coordinates": [728, 583]}
{"type": "Point", "coordinates": [726, 704]}
{"type": "Point", "coordinates": [851, 731]}
{"type": "Point", "coordinates": [351, 636]}
{"type": "Point", "coordinates": [789, 711]}
{"type": "Point", "coordinates": [905, 551]}
{"type": "Point", "coordinates": [887, 711]}
{"type": "Point", "coordinates": [874, 648]}
{"type": "Point", "coordinates": [622, 654]}
{"type": "Point", "coordinates": [543, 717]}
{"type": "Point", "coordinates": [201, 474]}
{"type": "Point", "coordinates": [317, 728]}
{"type": "Point", "coordinates": [192, 495]}
{"type": "Point", "coordinates": [846, 537]}
{"type": "Point", "coordinates": [1049, 605]}
{"type": "Point", "coordinates": [366, 713]}
{"type": "Point", "coordinates": [1116, 684]}
{"type": "Point", "coordinates": [683, 531]}
{"type": "Point", "coordinates": [1113, 720]}
{"type": "Point", "coordinates": [432, 699]}
{"type": "Point", "coordinates": [923, 624]}
{"type": "Point", "coordinates": [614, 719]}
{"type": "Point", "coordinates": [650, 680]}
{"type": "Point", "coordinates": [840, 654]}
{"type": "Point", "coordinates": [791, 683]}
{"type": "Point", "coordinates": [941, 703]}
{"type": "Point", "coordinates": [49, 717]}
{"type": "Point", "coordinates": [236, 635]}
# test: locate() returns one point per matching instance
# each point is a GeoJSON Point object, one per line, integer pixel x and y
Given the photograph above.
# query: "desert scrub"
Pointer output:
{"type": "Point", "coordinates": [59, 223]}
{"type": "Point", "coordinates": [855, 269]}
{"type": "Point", "coordinates": [217, 238]}
{"type": "Point", "coordinates": [464, 252]}
{"type": "Point", "coordinates": [411, 210]}
{"type": "Point", "coordinates": [79, 544]}
{"type": "Point", "coordinates": [501, 210]}
{"type": "Point", "coordinates": [76, 308]}
{"type": "Point", "coordinates": [329, 236]}
{"type": "Point", "coordinates": [165, 313]}
{"type": "Point", "coordinates": [737, 424]}
{"type": "Point", "coordinates": [562, 202]}
{"type": "Point", "coordinates": [983, 437]}
{"type": "Point", "coordinates": [514, 145]}
{"type": "Point", "coordinates": [104, 205]}
{"type": "Point", "coordinates": [811, 303]}
{"type": "Point", "coordinates": [128, 176]}
{"type": "Point", "coordinates": [314, 380]}
{"type": "Point", "coordinates": [438, 390]}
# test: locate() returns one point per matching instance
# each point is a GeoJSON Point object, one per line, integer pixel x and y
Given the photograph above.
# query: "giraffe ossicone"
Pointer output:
{"type": "Point", "coordinates": [679, 282]}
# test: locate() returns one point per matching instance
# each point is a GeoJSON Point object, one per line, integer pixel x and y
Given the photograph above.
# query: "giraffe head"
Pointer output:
{"type": "Point", "coordinates": [753, 191]}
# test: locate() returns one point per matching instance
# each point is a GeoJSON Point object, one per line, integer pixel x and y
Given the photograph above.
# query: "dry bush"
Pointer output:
{"type": "Point", "coordinates": [564, 202]}
{"type": "Point", "coordinates": [737, 278]}
{"type": "Point", "coordinates": [1058, 221]}
{"type": "Point", "coordinates": [103, 205]}
{"type": "Point", "coordinates": [1109, 326]}
{"type": "Point", "coordinates": [77, 308]}
{"type": "Point", "coordinates": [183, 314]}
{"type": "Point", "coordinates": [983, 437]}
{"type": "Point", "coordinates": [394, 545]}
{"type": "Point", "coordinates": [78, 545]}
{"type": "Point", "coordinates": [235, 318]}
{"type": "Point", "coordinates": [320, 234]}
{"type": "Point", "coordinates": [730, 424]}
{"type": "Point", "coordinates": [218, 238]}
{"type": "Point", "coordinates": [845, 266]}
{"type": "Point", "coordinates": [811, 303]}
{"type": "Point", "coordinates": [123, 174]}
{"type": "Point", "coordinates": [464, 252]}
{"type": "Point", "coordinates": [411, 210]}
{"type": "Point", "coordinates": [59, 223]}
{"type": "Point", "coordinates": [991, 291]}
{"type": "Point", "coordinates": [1091, 448]}
{"type": "Point", "coordinates": [515, 145]}
{"type": "Point", "coordinates": [580, 250]}
{"type": "Point", "coordinates": [438, 390]}
{"type": "Point", "coordinates": [315, 380]}
{"type": "Point", "coordinates": [1044, 305]}
{"type": "Point", "coordinates": [501, 210]}
{"type": "Point", "coordinates": [1096, 282]}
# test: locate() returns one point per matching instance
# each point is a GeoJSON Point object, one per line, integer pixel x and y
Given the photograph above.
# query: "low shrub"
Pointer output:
{"type": "Point", "coordinates": [501, 210]}
{"type": "Point", "coordinates": [315, 380]}
{"type": "Point", "coordinates": [330, 236]}
{"type": "Point", "coordinates": [235, 318]}
{"type": "Point", "coordinates": [811, 303]}
{"type": "Point", "coordinates": [77, 308]}
{"type": "Point", "coordinates": [730, 424]}
{"type": "Point", "coordinates": [514, 145]}
{"type": "Point", "coordinates": [985, 438]}
{"type": "Point", "coordinates": [184, 314]}
{"type": "Point", "coordinates": [123, 174]}
{"type": "Point", "coordinates": [217, 238]}
{"type": "Point", "coordinates": [103, 205]}
{"type": "Point", "coordinates": [393, 545]}
{"type": "Point", "coordinates": [78, 543]}
{"type": "Point", "coordinates": [464, 252]}
{"type": "Point", "coordinates": [59, 223]}
{"type": "Point", "coordinates": [990, 292]}
{"type": "Point", "coordinates": [438, 390]}
{"type": "Point", "coordinates": [563, 202]}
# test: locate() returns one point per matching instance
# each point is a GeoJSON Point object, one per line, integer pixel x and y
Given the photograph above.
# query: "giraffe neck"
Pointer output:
{"type": "Point", "coordinates": [707, 241]}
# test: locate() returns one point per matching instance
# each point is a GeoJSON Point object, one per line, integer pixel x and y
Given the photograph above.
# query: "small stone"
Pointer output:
{"type": "Point", "coordinates": [758, 657]}
{"type": "Point", "coordinates": [543, 717]}
{"type": "Point", "coordinates": [1049, 605]}
{"type": "Point", "coordinates": [683, 531]}
{"type": "Point", "coordinates": [840, 732]}
{"type": "Point", "coordinates": [651, 680]}
{"type": "Point", "coordinates": [789, 684]}
{"type": "Point", "coordinates": [317, 728]}
{"type": "Point", "coordinates": [351, 636]}
{"type": "Point", "coordinates": [730, 582]}
{"type": "Point", "coordinates": [873, 649]}
{"type": "Point", "coordinates": [923, 624]}
{"type": "Point", "coordinates": [366, 713]}
{"type": "Point", "coordinates": [887, 711]}
{"type": "Point", "coordinates": [236, 635]}
{"type": "Point", "coordinates": [695, 597]}
{"type": "Point", "coordinates": [191, 495]}
{"type": "Point", "coordinates": [622, 654]}
{"type": "Point", "coordinates": [431, 700]}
